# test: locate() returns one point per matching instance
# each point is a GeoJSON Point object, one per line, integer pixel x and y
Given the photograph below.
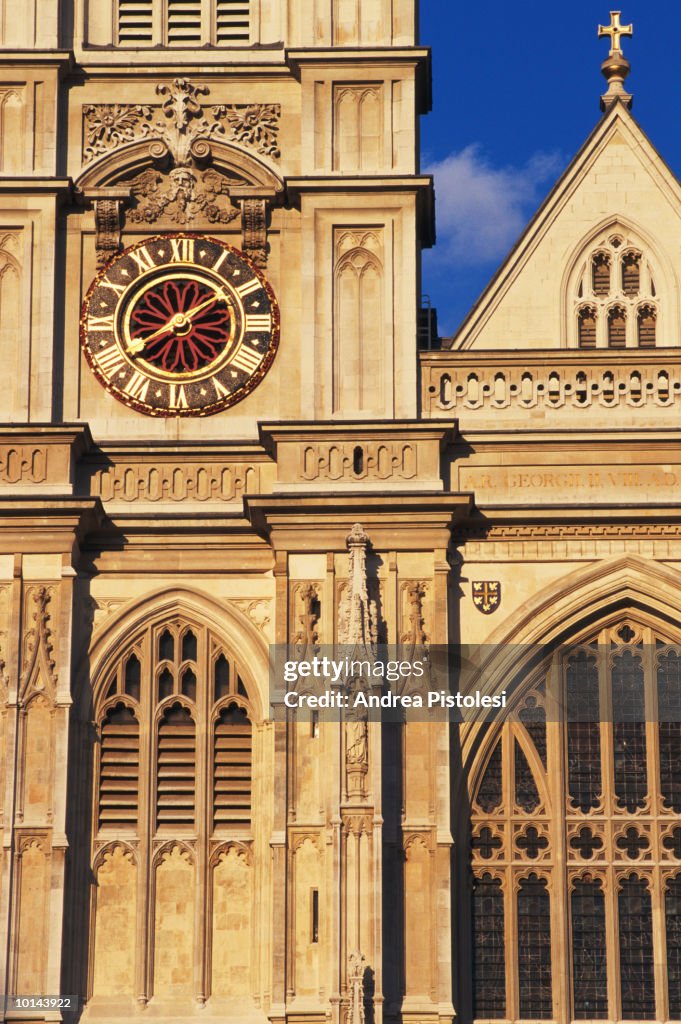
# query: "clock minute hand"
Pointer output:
{"type": "Point", "coordinates": [218, 297]}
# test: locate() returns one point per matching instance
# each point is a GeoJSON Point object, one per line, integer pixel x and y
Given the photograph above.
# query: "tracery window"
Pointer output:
{"type": "Point", "coordinates": [612, 762]}
{"type": "Point", "coordinates": [183, 22]}
{"type": "Point", "coordinates": [615, 303]}
{"type": "Point", "coordinates": [174, 705]}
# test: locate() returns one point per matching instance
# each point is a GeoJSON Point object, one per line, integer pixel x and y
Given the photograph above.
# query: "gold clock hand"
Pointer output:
{"type": "Point", "coordinates": [178, 320]}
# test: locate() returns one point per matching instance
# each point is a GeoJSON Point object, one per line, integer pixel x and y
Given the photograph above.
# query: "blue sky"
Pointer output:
{"type": "Point", "coordinates": [516, 92]}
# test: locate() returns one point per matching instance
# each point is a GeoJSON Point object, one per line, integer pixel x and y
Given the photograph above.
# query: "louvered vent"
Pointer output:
{"type": "Point", "coordinates": [232, 768]}
{"type": "Point", "coordinates": [119, 770]}
{"type": "Point", "coordinates": [135, 23]}
{"type": "Point", "coordinates": [232, 21]}
{"type": "Point", "coordinates": [184, 21]}
{"type": "Point", "coordinates": [176, 768]}
{"type": "Point", "coordinates": [587, 328]}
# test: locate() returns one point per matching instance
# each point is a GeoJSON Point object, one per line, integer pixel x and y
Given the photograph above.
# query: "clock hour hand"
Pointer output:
{"type": "Point", "coordinates": [176, 322]}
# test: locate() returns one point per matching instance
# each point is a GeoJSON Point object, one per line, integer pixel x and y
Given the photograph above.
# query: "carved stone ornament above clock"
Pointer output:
{"type": "Point", "coordinates": [180, 164]}
{"type": "Point", "coordinates": [180, 325]}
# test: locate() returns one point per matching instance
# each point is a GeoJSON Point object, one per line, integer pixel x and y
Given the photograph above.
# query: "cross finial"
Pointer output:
{"type": "Point", "coordinates": [615, 30]}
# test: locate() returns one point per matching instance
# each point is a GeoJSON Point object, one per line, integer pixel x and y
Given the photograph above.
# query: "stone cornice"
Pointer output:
{"type": "Point", "coordinates": [398, 521]}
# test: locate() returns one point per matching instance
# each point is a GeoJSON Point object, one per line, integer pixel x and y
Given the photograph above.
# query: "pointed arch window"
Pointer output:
{"type": "Point", "coordinates": [614, 296]}
{"type": "Point", "coordinates": [609, 757]}
{"type": "Point", "coordinates": [175, 703]}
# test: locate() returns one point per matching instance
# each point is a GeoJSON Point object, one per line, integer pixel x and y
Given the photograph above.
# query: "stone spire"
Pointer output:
{"type": "Point", "coordinates": [615, 67]}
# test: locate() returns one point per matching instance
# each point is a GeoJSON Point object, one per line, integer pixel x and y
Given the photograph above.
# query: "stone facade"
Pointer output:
{"type": "Point", "coordinates": [168, 850]}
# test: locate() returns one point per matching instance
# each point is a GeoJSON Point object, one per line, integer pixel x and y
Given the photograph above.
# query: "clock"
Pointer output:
{"type": "Point", "coordinates": [180, 325]}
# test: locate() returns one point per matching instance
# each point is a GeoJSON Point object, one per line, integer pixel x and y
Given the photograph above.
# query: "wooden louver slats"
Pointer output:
{"type": "Point", "coordinates": [176, 779]}
{"type": "Point", "coordinates": [232, 769]}
{"type": "Point", "coordinates": [135, 21]}
{"type": "Point", "coordinates": [184, 21]}
{"type": "Point", "coordinates": [232, 22]}
{"type": "Point", "coordinates": [119, 770]}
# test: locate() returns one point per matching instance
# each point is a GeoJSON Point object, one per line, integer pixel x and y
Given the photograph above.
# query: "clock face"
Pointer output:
{"type": "Point", "coordinates": [180, 325]}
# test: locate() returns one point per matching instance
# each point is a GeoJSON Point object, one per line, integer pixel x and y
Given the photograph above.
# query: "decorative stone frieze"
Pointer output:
{"type": "Point", "coordinates": [404, 455]}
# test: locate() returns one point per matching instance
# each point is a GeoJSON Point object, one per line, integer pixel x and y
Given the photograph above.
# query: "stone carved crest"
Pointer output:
{"type": "Point", "coordinates": [182, 122]}
{"type": "Point", "coordinates": [38, 671]}
{"type": "Point", "coordinates": [181, 195]}
{"type": "Point", "coordinates": [487, 596]}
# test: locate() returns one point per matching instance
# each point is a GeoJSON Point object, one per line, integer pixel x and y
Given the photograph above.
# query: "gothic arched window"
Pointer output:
{"type": "Point", "coordinates": [169, 833]}
{"type": "Point", "coordinates": [614, 298]}
{"type": "Point", "coordinates": [576, 830]}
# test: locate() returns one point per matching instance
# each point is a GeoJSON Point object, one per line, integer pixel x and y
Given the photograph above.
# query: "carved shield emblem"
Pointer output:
{"type": "Point", "coordinates": [487, 596]}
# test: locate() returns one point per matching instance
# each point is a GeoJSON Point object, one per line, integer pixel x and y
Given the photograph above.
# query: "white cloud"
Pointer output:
{"type": "Point", "coordinates": [481, 209]}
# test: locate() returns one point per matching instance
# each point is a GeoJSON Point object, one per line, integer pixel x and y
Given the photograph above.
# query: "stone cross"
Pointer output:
{"type": "Point", "coordinates": [615, 30]}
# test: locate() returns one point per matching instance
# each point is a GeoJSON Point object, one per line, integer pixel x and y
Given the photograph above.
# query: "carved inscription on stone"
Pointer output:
{"type": "Point", "coordinates": [175, 483]}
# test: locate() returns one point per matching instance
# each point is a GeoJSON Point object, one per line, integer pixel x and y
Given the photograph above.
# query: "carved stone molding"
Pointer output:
{"type": "Point", "coordinates": [570, 379]}
{"type": "Point", "coordinates": [254, 230]}
{"type": "Point", "coordinates": [23, 463]}
{"type": "Point", "coordinates": [306, 613]}
{"type": "Point", "coordinates": [413, 598]}
{"type": "Point", "coordinates": [38, 670]}
{"type": "Point", "coordinates": [258, 610]}
{"type": "Point", "coordinates": [108, 229]}
{"type": "Point", "coordinates": [174, 481]}
{"type": "Point", "coordinates": [181, 195]}
{"type": "Point", "coordinates": [182, 122]}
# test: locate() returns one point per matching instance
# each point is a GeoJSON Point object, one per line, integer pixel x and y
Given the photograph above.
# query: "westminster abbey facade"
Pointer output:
{"type": "Point", "coordinates": [219, 433]}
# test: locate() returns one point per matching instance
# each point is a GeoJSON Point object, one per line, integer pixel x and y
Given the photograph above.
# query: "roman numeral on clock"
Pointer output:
{"type": "Point", "coordinates": [182, 250]}
{"type": "Point", "coordinates": [176, 397]}
{"type": "Point", "coordinates": [110, 359]}
{"type": "Point", "coordinates": [100, 323]}
{"type": "Point", "coordinates": [220, 390]}
{"type": "Point", "coordinates": [248, 286]}
{"type": "Point", "coordinates": [143, 259]}
{"type": "Point", "coordinates": [261, 322]}
{"type": "Point", "coordinates": [137, 386]}
{"type": "Point", "coordinates": [246, 359]}
{"type": "Point", "coordinates": [118, 288]}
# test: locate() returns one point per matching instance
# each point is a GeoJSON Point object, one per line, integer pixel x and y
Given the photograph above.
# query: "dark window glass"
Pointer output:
{"type": "Point", "coordinates": [534, 950]}
{"type": "Point", "coordinates": [526, 793]}
{"type": "Point", "coordinates": [637, 979]}
{"type": "Point", "coordinates": [590, 983]}
{"type": "Point", "coordinates": [166, 646]}
{"type": "Point", "coordinates": [583, 731]}
{"type": "Point", "coordinates": [221, 677]}
{"type": "Point", "coordinates": [489, 967]}
{"type": "Point", "coordinates": [669, 705]}
{"type": "Point", "coordinates": [490, 791]}
{"type": "Point", "coordinates": [165, 684]}
{"type": "Point", "coordinates": [133, 677]}
{"type": "Point", "coordinates": [189, 647]}
{"type": "Point", "coordinates": [629, 730]}
{"type": "Point", "coordinates": [189, 684]}
{"type": "Point", "coordinates": [533, 717]}
{"type": "Point", "coordinates": [673, 919]}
